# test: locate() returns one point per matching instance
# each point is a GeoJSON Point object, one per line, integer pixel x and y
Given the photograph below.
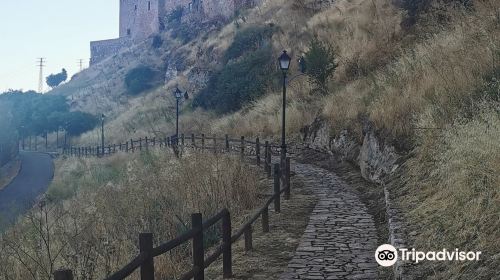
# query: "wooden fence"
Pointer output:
{"type": "Point", "coordinates": [147, 252]}
{"type": "Point", "coordinates": [192, 141]}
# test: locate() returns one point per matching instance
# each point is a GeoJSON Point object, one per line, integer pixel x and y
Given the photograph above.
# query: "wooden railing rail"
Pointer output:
{"type": "Point", "coordinates": [145, 260]}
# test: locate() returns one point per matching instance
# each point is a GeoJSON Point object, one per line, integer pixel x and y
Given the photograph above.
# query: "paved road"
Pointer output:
{"type": "Point", "coordinates": [37, 171]}
{"type": "Point", "coordinates": [340, 240]}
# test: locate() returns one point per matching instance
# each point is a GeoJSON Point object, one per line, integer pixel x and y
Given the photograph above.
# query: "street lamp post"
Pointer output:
{"type": "Point", "coordinates": [102, 133]}
{"type": "Point", "coordinates": [22, 135]}
{"type": "Point", "coordinates": [178, 96]}
{"type": "Point", "coordinates": [284, 63]}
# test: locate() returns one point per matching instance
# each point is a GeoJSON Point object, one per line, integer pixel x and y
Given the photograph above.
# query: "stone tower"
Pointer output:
{"type": "Point", "coordinates": [139, 19]}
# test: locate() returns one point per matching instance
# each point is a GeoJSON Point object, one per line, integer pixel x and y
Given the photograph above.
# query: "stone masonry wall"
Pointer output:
{"type": "Point", "coordinates": [139, 18]}
{"type": "Point", "coordinates": [100, 50]}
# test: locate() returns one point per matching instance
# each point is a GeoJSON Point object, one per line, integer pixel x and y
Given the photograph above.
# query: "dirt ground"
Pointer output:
{"type": "Point", "coordinates": [272, 251]}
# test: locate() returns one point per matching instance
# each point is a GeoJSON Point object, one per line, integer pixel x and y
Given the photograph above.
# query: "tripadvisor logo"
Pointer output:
{"type": "Point", "coordinates": [387, 255]}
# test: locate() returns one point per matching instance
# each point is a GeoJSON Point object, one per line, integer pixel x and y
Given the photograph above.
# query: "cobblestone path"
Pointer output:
{"type": "Point", "coordinates": [340, 239]}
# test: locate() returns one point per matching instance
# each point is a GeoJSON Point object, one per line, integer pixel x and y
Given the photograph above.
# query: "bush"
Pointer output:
{"type": "Point", "coordinates": [320, 64]}
{"type": "Point", "coordinates": [185, 32]}
{"type": "Point", "coordinates": [238, 83]}
{"type": "Point", "coordinates": [175, 16]}
{"type": "Point", "coordinates": [139, 79]}
{"type": "Point", "coordinates": [249, 39]}
{"type": "Point", "coordinates": [157, 42]}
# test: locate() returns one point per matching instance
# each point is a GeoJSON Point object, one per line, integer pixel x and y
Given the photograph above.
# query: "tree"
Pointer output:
{"type": "Point", "coordinates": [8, 135]}
{"type": "Point", "coordinates": [320, 64]}
{"type": "Point", "coordinates": [79, 122]}
{"type": "Point", "coordinates": [37, 114]}
{"type": "Point", "coordinates": [55, 80]}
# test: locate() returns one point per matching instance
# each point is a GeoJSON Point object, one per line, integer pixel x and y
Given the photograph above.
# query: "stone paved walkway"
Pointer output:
{"type": "Point", "coordinates": [340, 239]}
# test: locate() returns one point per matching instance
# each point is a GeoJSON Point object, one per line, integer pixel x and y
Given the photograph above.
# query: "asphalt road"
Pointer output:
{"type": "Point", "coordinates": [37, 171]}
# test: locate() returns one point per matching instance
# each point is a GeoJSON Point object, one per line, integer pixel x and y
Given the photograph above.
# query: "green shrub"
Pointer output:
{"type": "Point", "coordinates": [320, 64]}
{"type": "Point", "coordinates": [175, 16]}
{"type": "Point", "coordinates": [185, 32]}
{"type": "Point", "coordinates": [249, 39]}
{"type": "Point", "coordinates": [140, 79]}
{"type": "Point", "coordinates": [157, 42]}
{"type": "Point", "coordinates": [238, 83]}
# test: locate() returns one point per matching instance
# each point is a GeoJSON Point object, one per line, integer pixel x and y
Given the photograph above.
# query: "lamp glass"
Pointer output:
{"type": "Point", "coordinates": [284, 61]}
{"type": "Point", "coordinates": [178, 93]}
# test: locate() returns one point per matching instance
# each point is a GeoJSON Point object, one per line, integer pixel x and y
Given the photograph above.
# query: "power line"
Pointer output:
{"type": "Point", "coordinates": [41, 63]}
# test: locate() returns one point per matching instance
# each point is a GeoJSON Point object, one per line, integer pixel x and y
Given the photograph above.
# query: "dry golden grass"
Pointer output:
{"type": "Point", "coordinates": [110, 201]}
{"type": "Point", "coordinates": [455, 185]}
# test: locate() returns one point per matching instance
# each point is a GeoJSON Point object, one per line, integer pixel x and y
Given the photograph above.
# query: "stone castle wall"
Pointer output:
{"type": "Point", "coordinates": [100, 50]}
{"type": "Point", "coordinates": [140, 19]}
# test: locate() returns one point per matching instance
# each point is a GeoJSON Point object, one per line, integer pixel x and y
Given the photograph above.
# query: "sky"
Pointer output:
{"type": "Point", "coordinates": [58, 30]}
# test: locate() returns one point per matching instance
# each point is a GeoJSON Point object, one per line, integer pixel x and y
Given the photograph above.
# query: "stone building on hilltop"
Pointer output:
{"type": "Point", "coordinates": [139, 19]}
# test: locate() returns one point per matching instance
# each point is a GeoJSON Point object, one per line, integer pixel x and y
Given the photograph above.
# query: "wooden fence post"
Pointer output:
{"type": "Point", "coordinates": [98, 148]}
{"type": "Point", "coordinates": [168, 142]}
{"type": "Point", "coordinates": [265, 220]}
{"type": "Point", "coordinates": [215, 144]}
{"type": "Point", "coordinates": [257, 150]}
{"type": "Point", "coordinates": [140, 144]}
{"type": "Point", "coordinates": [227, 143]}
{"type": "Point", "coordinates": [287, 179]}
{"type": "Point", "coordinates": [182, 139]}
{"type": "Point", "coordinates": [277, 202]}
{"type": "Point", "coordinates": [147, 143]}
{"type": "Point", "coordinates": [146, 247]}
{"type": "Point", "coordinates": [109, 150]}
{"type": "Point", "coordinates": [63, 275]}
{"type": "Point", "coordinates": [193, 140]}
{"type": "Point", "coordinates": [198, 250]}
{"type": "Point", "coordinates": [248, 238]}
{"type": "Point", "coordinates": [242, 148]}
{"type": "Point", "coordinates": [132, 145]}
{"type": "Point", "coordinates": [227, 261]}
{"type": "Point", "coordinates": [203, 142]}
{"type": "Point", "coordinates": [266, 160]}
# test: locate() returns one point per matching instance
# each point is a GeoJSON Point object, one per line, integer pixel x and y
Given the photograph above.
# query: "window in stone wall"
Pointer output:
{"type": "Point", "coordinates": [128, 32]}
{"type": "Point", "coordinates": [149, 5]}
{"type": "Point", "coordinates": [135, 8]}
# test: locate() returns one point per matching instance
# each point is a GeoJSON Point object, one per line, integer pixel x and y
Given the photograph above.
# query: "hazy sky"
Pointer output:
{"type": "Point", "coordinates": [58, 30]}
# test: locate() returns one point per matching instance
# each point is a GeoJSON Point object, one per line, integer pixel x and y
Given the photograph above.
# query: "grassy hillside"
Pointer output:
{"type": "Point", "coordinates": [424, 77]}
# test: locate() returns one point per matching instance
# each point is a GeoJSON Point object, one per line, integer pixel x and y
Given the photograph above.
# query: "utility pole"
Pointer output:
{"type": "Point", "coordinates": [80, 63]}
{"type": "Point", "coordinates": [41, 63]}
